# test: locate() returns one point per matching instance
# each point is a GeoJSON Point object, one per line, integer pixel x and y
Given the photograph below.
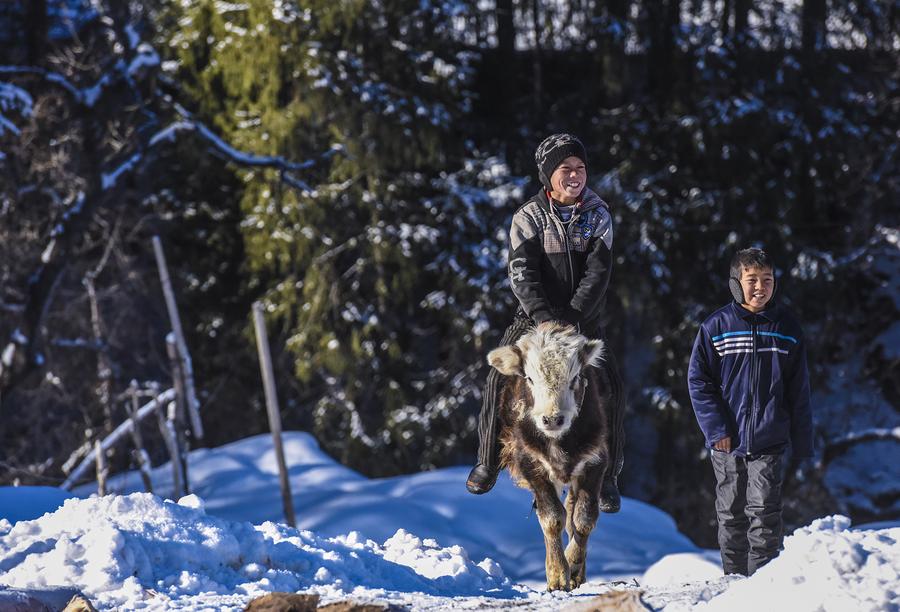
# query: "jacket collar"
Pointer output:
{"type": "Point", "coordinates": [589, 201]}
{"type": "Point", "coordinates": [771, 313]}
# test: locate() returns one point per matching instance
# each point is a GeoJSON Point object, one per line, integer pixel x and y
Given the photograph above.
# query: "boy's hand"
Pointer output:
{"type": "Point", "coordinates": [723, 445]}
{"type": "Point", "coordinates": [804, 468]}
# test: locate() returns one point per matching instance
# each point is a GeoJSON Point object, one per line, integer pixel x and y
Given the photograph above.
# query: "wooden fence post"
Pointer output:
{"type": "Point", "coordinates": [265, 362]}
{"type": "Point", "coordinates": [102, 470]}
{"type": "Point", "coordinates": [140, 454]}
{"type": "Point", "coordinates": [186, 365]}
{"type": "Point", "coordinates": [176, 419]}
{"type": "Point", "coordinates": [168, 436]}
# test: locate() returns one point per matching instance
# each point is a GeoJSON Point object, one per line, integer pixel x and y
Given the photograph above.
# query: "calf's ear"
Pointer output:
{"type": "Point", "coordinates": [592, 353]}
{"type": "Point", "coordinates": [507, 360]}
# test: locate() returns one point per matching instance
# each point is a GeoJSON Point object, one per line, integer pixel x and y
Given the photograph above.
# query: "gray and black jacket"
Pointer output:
{"type": "Point", "coordinates": [560, 271]}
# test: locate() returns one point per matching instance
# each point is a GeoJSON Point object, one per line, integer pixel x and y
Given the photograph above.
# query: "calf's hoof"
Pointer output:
{"type": "Point", "coordinates": [577, 577]}
{"type": "Point", "coordinates": [558, 582]}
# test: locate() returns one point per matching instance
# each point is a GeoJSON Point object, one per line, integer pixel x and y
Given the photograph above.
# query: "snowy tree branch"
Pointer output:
{"type": "Point", "coordinates": [87, 96]}
{"type": "Point", "coordinates": [11, 307]}
{"type": "Point", "coordinates": [144, 60]}
{"type": "Point", "coordinates": [189, 124]}
{"type": "Point", "coordinates": [834, 448]}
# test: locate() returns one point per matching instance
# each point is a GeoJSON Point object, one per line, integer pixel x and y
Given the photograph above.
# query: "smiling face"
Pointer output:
{"type": "Point", "coordinates": [568, 180]}
{"type": "Point", "coordinates": [758, 285]}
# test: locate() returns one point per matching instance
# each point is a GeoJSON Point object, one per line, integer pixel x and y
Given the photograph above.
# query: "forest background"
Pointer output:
{"type": "Point", "coordinates": [355, 167]}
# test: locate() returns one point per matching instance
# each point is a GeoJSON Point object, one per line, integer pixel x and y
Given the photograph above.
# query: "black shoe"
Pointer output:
{"type": "Point", "coordinates": [481, 479]}
{"type": "Point", "coordinates": [610, 500]}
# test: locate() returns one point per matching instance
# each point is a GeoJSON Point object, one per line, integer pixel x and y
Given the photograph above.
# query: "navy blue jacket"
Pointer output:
{"type": "Point", "coordinates": [748, 379]}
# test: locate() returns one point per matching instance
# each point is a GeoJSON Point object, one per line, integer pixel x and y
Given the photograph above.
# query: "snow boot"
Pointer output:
{"type": "Point", "coordinates": [610, 500]}
{"type": "Point", "coordinates": [481, 479]}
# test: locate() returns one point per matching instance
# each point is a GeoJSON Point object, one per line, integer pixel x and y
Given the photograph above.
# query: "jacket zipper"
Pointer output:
{"type": "Point", "coordinates": [754, 375]}
{"type": "Point", "coordinates": [569, 258]}
{"type": "Point", "coordinates": [565, 232]}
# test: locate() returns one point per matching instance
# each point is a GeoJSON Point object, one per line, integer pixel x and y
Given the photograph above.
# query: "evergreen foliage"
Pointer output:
{"type": "Point", "coordinates": [346, 262]}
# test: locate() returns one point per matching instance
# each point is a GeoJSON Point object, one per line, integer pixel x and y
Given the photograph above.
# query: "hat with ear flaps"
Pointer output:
{"type": "Point", "coordinates": [737, 292]}
{"type": "Point", "coordinates": [744, 259]}
{"type": "Point", "coordinates": [553, 150]}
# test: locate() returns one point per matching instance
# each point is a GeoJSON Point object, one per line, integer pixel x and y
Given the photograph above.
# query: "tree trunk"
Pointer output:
{"type": "Point", "coordinates": [663, 20]}
{"type": "Point", "coordinates": [671, 34]}
{"type": "Point", "coordinates": [726, 18]}
{"type": "Point", "coordinates": [35, 30]}
{"type": "Point", "coordinates": [741, 39]}
{"type": "Point", "coordinates": [611, 43]}
{"type": "Point", "coordinates": [741, 18]}
{"type": "Point", "coordinates": [814, 29]}
{"type": "Point", "coordinates": [537, 69]}
{"type": "Point", "coordinates": [506, 48]}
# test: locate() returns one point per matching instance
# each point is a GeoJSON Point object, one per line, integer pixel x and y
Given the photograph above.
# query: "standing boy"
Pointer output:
{"type": "Point", "coordinates": [560, 259]}
{"type": "Point", "coordinates": [750, 391]}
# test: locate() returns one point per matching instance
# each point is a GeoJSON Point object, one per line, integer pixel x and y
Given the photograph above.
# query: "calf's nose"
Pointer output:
{"type": "Point", "coordinates": [553, 421]}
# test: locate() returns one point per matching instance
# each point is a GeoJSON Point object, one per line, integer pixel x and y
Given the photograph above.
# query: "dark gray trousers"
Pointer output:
{"type": "Point", "coordinates": [488, 421]}
{"type": "Point", "coordinates": [748, 509]}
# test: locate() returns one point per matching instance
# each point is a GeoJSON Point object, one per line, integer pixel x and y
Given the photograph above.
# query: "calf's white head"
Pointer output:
{"type": "Point", "coordinates": [552, 359]}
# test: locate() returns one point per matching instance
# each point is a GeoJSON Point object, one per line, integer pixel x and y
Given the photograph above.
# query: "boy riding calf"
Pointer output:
{"type": "Point", "coordinates": [560, 260]}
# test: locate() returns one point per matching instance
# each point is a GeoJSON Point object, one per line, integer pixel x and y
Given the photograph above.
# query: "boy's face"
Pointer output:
{"type": "Point", "coordinates": [758, 285]}
{"type": "Point", "coordinates": [568, 180]}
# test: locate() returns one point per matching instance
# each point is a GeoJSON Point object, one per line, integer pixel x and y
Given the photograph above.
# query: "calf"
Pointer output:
{"type": "Point", "coordinates": [553, 433]}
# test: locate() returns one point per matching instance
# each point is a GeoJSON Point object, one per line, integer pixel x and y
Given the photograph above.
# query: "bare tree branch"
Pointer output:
{"type": "Point", "coordinates": [117, 434]}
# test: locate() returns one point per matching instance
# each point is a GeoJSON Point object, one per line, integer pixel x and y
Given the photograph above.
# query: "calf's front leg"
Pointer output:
{"type": "Point", "coordinates": [583, 511]}
{"type": "Point", "coordinates": [552, 517]}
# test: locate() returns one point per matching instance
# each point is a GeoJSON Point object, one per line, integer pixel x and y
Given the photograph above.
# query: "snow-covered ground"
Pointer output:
{"type": "Point", "coordinates": [419, 541]}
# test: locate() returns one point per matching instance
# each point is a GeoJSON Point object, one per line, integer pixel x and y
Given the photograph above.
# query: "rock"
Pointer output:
{"type": "Point", "coordinates": [613, 601]}
{"type": "Point", "coordinates": [284, 602]}
{"type": "Point", "coordinates": [43, 600]}
{"type": "Point", "coordinates": [354, 606]}
{"type": "Point", "coordinates": [20, 602]}
{"type": "Point", "coordinates": [79, 604]}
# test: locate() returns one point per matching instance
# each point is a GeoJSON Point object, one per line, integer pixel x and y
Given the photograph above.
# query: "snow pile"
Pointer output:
{"type": "Point", "coordinates": [681, 568]}
{"type": "Point", "coordinates": [410, 540]}
{"type": "Point", "coordinates": [825, 566]}
{"type": "Point", "coordinates": [123, 550]}
{"type": "Point", "coordinates": [239, 482]}
{"type": "Point", "coordinates": [449, 566]}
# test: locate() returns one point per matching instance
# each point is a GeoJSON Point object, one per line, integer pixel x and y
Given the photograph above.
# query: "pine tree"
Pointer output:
{"type": "Point", "coordinates": [366, 266]}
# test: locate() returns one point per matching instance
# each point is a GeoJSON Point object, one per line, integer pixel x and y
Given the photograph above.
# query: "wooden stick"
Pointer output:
{"type": "Point", "coordinates": [168, 435]}
{"type": "Point", "coordinates": [102, 470]}
{"type": "Point", "coordinates": [176, 420]}
{"type": "Point", "coordinates": [143, 460]}
{"type": "Point", "coordinates": [187, 367]}
{"type": "Point", "coordinates": [265, 362]}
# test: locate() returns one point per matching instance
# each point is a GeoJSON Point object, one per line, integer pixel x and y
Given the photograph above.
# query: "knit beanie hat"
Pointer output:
{"type": "Point", "coordinates": [553, 151]}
